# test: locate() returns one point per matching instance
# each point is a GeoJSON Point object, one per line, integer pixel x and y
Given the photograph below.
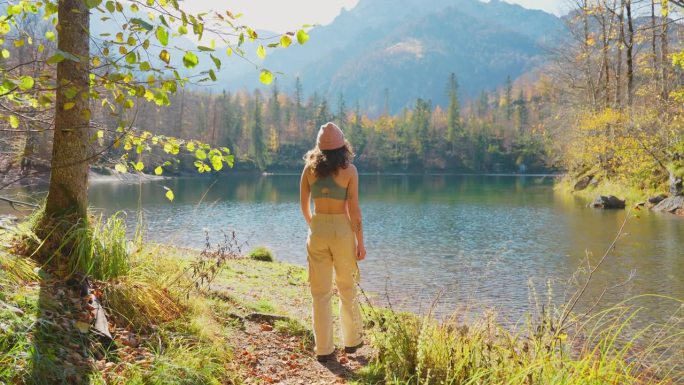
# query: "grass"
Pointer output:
{"type": "Point", "coordinates": [261, 253]}
{"type": "Point", "coordinates": [184, 338]}
{"type": "Point", "coordinates": [178, 339]}
{"type": "Point", "coordinates": [605, 348]}
{"type": "Point", "coordinates": [622, 189]}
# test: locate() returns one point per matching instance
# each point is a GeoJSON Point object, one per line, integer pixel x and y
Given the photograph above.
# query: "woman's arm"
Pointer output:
{"type": "Point", "coordinates": [305, 196]}
{"type": "Point", "coordinates": [354, 210]}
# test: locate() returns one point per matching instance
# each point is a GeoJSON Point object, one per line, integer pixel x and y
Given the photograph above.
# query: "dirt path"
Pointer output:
{"type": "Point", "coordinates": [279, 350]}
{"type": "Point", "coordinates": [272, 357]}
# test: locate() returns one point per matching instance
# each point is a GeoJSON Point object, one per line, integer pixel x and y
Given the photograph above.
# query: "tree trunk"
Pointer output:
{"type": "Point", "coordinates": [664, 53]}
{"type": "Point", "coordinates": [630, 53]}
{"type": "Point", "coordinates": [606, 62]}
{"type": "Point", "coordinates": [654, 42]}
{"type": "Point", "coordinates": [618, 59]}
{"type": "Point", "coordinates": [67, 200]}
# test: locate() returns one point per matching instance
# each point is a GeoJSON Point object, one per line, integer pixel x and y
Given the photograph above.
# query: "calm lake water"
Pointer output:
{"type": "Point", "coordinates": [460, 242]}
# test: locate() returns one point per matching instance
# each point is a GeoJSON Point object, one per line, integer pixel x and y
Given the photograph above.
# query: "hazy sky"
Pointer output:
{"type": "Point", "coordinates": [281, 15]}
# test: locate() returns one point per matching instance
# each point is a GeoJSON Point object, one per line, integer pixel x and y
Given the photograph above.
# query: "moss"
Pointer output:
{"type": "Point", "coordinates": [262, 253]}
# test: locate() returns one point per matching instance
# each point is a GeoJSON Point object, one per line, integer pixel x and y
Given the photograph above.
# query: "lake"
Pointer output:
{"type": "Point", "coordinates": [446, 242]}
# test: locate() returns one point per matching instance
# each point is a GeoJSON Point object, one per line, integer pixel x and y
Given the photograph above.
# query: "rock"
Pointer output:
{"type": "Point", "coordinates": [583, 183]}
{"type": "Point", "coordinates": [266, 327]}
{"type": "Point", "coordinates": [657, 199]}
{"type": "Point", "coordinates": [674, 205]}
{"type": "Point", "coordinates": [607, 202]}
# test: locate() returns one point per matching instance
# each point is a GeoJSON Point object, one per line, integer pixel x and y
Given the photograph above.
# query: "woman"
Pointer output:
{"type": "Point", "coordinates": [335, 238]}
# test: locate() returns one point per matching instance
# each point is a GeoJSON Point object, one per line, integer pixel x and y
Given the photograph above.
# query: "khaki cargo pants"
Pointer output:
{"type": "Point", "coordinates": [332, 247]}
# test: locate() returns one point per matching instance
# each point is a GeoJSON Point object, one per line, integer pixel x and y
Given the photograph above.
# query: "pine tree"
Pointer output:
{"type": "Point", "coordinates": [356, 136]}
{"type": "Point", "coordinates": [523, 113]}
{"type": "Point", "coordinates": [454, 113]}
{"type": "Point", "coordinates": [341, 112]}
{"type": "Point", "coordinates": [258, 145]}
{"type": "Point", "coordinates": [508, 98]}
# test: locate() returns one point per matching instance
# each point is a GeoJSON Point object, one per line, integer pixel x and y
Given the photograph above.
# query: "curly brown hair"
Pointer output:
{"type": "Point", "coordinates": [324, 163]}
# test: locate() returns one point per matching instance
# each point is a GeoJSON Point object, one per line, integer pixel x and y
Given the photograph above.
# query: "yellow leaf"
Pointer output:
{"type": "Point", "coordinates": [158, 170]}
{"type": "Point", "coordinates": [169, 195]}
{"type": "Point", "coordinates": [69, 105]}
{"type": "Point", "coordinates": [261, 52]}
{"type": "Point", "coordinates": [82, 327]}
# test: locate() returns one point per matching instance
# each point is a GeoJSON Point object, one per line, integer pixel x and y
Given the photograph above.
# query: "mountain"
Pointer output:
{"type": "Point", "coordinates": [395, 51]}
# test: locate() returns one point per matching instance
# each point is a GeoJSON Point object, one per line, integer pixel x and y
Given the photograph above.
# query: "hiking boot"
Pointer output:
{"type": "Point", "coordinates": [352, 349]}
{"type": "Point", "coordinates": [325, 357]}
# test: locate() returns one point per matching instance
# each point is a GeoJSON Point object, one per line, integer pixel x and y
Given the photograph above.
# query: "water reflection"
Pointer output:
{"type": "Point", "coordinates": [480, 241]}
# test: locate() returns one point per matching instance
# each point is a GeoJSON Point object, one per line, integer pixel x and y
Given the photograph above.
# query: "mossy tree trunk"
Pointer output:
{"type": "Point", "coordinates": [67, 199]}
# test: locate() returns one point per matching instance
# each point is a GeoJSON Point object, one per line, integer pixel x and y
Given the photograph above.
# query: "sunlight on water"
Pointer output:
{"type": "Point", "coordinates": [466, 242]}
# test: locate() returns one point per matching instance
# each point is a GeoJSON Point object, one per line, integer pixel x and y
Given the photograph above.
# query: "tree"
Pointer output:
{"type": "Point", "coordinates": [67, 198]}
{"type": "Point", "coordinates": [356, 137]}
{"type": "Point", "coordinates": [274, 110]}
{"type": "Point", "coordinates": [341, 112]}
{"type": "Point", "coordinates": [124, 69]}
{"type": "Point", "coordinates": [421, 128]}
{"type": "Point", "coordinates": [454, 113]}
{"type": "Point", "coordinates": [523, 113]}
{"type": "Point", "coordinates": [258, 146]}
{"type": "Point", "coordinates": [508, 98]}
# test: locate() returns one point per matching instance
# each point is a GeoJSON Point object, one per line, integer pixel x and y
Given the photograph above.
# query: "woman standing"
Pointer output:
{"type": "Point", "coordinates": [335, 240]}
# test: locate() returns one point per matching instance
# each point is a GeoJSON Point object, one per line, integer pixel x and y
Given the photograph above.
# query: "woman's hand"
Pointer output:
{"type": "Point", "coordinates": [360, 252]}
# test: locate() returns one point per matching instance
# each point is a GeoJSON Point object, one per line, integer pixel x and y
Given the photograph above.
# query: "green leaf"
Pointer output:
{"type": "Point", "coordinates": [14, 10]}
{"type": "Point", "coordinates": [217, 163]}
{"type": "Point", "coordinates": [50, 35]}
{"type": "Point", "coordinates": [13, 121]}
{"type": "Point", "coordinates": [200, 154]}
{"type": "Point", "coordinates": [158, 170]}
{"type": "Point", "coordinates": [60, 56]}
{"type": "Point", "coordinates": [110, 6]}
{"type": "Point", "coordinates": [120, 167]}
{"type": "Point", "coordinates": [285, 41]}
{"type": "Point", "coordinates": [68, 106]}
{"type": "Point", "coordinates": [261, 52]}
{"type": "Point", "coordinates": [302, 36]}
{"type": "Point", "coordinates": [93, 3]}
{"type": "Point", "coordinates": [229, 51]}
{"type": "Point", "coordinates": [162, 35]}
{"type": "Point", "coordinates": [6, 54]}
{"type": "Point", "coordinates": [131, 57]}
{"type": "Point", "coordinates": [26, 83]}
{"type": "Point", "coordinates": [139, 166]}
{"type": "Point", "coordinates": [54, 59]}
{"type": "Point", "coordinates": [205, 48]}
{"type": "Point", "coordinates": [216, 61]}
{"type": "Point", "coordinates": [266, 77]}
{"type": "Point", "coordinates": [142, 23]}
{"type": "Point", "coordinates": [212, 75]}
{"type": "Point", "coordinates": [190, 60]}
{"type": "Point", "coordinates": [145, 66]}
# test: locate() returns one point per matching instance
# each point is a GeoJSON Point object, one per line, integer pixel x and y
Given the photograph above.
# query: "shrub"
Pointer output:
{"type": "Point", "coordinates": [262, 253]}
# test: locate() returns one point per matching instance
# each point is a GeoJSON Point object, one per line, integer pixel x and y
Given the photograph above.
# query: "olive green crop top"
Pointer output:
{"type": "Point", "coordinates": [328, 188]}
